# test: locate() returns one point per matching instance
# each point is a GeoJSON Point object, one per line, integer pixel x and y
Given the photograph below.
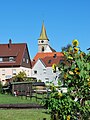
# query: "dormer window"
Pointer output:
{"type": "Point", "coordinates": [11, 59]}
{"type": "Point", "coordinates": [55, 56]}
{"type": "Point", "coordinates": [49, 61]}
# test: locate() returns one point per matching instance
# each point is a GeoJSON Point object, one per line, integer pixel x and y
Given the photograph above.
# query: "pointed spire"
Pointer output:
{"type": "Point", "coordinates": [43, 35]}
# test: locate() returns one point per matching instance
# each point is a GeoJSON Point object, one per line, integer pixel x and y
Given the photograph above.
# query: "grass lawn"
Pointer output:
{"type": "Point", "coordinates": [9, 99]}
{"type": "Point", "coordinates": [23, 114]}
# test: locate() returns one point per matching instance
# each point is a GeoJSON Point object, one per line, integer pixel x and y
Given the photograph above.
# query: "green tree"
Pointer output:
{"type": "Point", "coordinates": [19, 77]}
{"type": "Point", "coordinates": [67, 48]}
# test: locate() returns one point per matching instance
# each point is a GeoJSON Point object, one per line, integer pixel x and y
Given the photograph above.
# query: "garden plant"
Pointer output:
{"type": "Point", "coordinates": [75, 75]}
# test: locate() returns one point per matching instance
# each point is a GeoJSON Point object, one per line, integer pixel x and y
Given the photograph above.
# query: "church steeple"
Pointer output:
{"type": "Point", "coordinates": [43, 40]}
{"type": "Point", "coordinates": [43, 35]}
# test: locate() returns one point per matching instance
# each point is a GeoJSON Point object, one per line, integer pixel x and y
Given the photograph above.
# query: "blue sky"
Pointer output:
{"type": "Point", "coordinates": [64, 20]}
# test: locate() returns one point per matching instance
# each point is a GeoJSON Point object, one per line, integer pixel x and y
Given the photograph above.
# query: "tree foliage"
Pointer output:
{"type": "Point", "coordinates": [19, 77]}
{"type": "Point", "coordinates": [75, 74]}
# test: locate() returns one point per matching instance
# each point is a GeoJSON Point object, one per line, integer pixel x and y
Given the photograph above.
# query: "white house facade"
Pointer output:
{"type": "Point", "coordinates": [44, 73]}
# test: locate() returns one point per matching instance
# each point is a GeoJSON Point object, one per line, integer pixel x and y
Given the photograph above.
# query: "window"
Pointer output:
{"type": "Point", "coordinates": [28, 72]}
{"type": "Point", "coordinates": [44, 71]}
{"type": "Point", "coordinates": [23, 59]}
{"type": "Point", "coordinates": [11, 58]}
{"type": "Point", "coordinates": [47, 79]}
{"type": "Point", "coordinates": [1, 59]}
{"type": "Point", "coordinates": [35, 71]}
{"type": "Point", "coordinates": [27, 61]}
{"type": "Point", "coordinates": [42, 49]}
{"type": "Point", "coordinates": [3, 72]}
{"type": "Point", "coordinates": [47, 82]}
{"type": "Point", "coordinates": [14, 71]}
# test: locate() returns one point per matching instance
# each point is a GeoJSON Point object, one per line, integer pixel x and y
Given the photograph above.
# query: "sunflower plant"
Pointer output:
{"type": "Point", "coordinates": [75, 74]}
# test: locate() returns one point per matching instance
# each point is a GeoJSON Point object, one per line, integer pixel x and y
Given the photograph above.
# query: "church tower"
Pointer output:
{"type": "Point", "coordinates": [43, 41]}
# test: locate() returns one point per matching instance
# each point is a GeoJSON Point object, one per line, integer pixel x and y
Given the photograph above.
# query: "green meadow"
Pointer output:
{"type": "Point", "coordinates": [21, 114]}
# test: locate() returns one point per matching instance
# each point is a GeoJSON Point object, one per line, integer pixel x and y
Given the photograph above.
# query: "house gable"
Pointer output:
{"type": "Point", "coordinates": [42, 66]}
{"type": "Point", "coordinates": [39, 64]}
{"type": "Point", "coordinates": [26, 62]}
{"type": "Point", "coordinates": [11, 55]}
{"type": "Point", "coordinates": [39, 70]}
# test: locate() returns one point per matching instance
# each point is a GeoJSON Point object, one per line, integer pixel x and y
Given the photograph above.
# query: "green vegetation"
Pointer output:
{"type": "Point", "coordinates": [75, 75]}
{"type": "Point", "coordinates": [19, 77]}
{"type": "Point", "coordinates": [9, 99]}
{"type": "Point", "coordinates": [23, 114]}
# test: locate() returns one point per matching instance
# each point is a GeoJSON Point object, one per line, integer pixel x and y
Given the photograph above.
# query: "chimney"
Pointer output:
{"type": "Point", "coordinates": [10, 42]}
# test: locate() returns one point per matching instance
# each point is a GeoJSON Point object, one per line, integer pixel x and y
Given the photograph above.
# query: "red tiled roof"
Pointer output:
{"type": "Point", "coordinates": [14, 50]}
{"type": "Point", "coordinates": [48, 58]}
{"type": "Point", "coordinates": [43, 55]}
{"type": "Point", "coordinates": [49, 61]}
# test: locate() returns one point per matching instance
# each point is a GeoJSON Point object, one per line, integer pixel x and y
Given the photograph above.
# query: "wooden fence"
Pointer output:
{"type": "Point", "coordinates": [29, 89]}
